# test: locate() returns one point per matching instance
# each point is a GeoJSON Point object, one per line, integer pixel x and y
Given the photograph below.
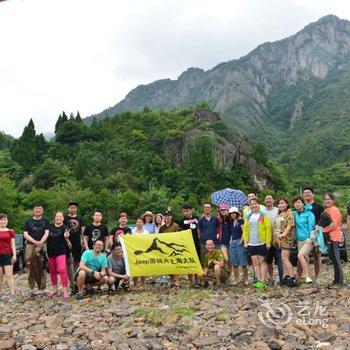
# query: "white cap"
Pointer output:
{"type": "Point", "coordinates": [233, 210]}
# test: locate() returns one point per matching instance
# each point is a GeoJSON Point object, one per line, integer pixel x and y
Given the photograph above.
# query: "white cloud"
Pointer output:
{"type": "Point", "coordinates": [87, 55]}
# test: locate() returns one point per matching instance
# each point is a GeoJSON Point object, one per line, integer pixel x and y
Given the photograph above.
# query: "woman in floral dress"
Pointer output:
{"type": "Point", "coordinates": [283, 238]}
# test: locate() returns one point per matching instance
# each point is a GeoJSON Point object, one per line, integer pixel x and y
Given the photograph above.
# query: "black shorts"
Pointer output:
{"type": "Point", "coordinates": [271, 252]}
{"type": "Point", "coordinates": [5, 259]}
{"type": "Point", "coordinates": [260, 250]}
{"type": "Point", "coordinates": [89, 277]}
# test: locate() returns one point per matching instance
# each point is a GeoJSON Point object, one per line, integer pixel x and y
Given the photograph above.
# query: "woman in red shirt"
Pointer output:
{"type": "Point", "coordinates": [7, 255]}
{"type": "Point", "coordinates": [334, 237]}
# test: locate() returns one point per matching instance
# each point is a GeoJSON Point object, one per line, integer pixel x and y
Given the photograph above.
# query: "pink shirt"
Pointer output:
{"type": "Point", "coordinates": [335, 231]}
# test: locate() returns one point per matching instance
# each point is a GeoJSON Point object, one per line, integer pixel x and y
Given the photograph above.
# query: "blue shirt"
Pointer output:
{"type": "Point", "coordinates": [236, 229]}
{"type": "Point", "coordinates": [94, 262]}
{"type": "Point", "coordinates": [226, 233]}
{"type": "Point", "coordinates": [208, 229]}
{"type": "Point", "coordinates": [304, 223]}
{"type": "Point", "coordinates": [150, 227]}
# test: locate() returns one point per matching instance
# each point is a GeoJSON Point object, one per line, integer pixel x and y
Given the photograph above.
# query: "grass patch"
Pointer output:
{"type": "Point", "coordinates": [183, 311]}
{"type": "Point", "coordinates": [152, 316]}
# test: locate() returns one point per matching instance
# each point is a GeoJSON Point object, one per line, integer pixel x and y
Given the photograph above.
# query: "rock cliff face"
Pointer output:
{"type": "Point", "coordinates": [279, 94]}
{"type": "Point", "coordinates": [239, 89]}
{"type": "Point", "coordinates": [228, 150]}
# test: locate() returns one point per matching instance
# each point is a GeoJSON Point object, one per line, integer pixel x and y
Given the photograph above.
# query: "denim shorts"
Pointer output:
{"type": "Point", "coordinates": [238, 254]}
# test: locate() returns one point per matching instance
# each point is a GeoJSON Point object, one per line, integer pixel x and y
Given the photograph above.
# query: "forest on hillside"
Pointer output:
{"type": "Point", "coordinates": [132, 162]}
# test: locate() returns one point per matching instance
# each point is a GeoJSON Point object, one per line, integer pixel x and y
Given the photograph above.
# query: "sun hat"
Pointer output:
{"type": "Point", "coordinates": [233, 210]}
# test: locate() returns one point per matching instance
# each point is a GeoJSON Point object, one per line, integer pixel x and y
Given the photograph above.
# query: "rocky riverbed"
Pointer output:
{"type": "Point", "coordinates": [305, 317]}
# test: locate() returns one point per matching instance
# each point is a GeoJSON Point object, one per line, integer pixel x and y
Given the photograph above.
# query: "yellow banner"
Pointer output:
{"type": "Point", "coordinates": [160, 254]}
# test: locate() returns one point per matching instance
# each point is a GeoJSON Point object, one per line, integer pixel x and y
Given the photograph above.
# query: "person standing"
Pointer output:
{"type": "Point", "coordinates": [139, 227]}
{"type": "Point", "coordinates": [274, 253]}
{"type": "Point", "coordinates": [334, 237]}
{"type": "Point", "coordinates": [169, 224]}
{"type": "Point", "coordinates": [283, 233]}
{"type": "Point", "coordinates": [317, 210]}
{"type": "Point", "coordinates": [257, 234]}
{"type": "Point", "coordinates": [190, 222]}
{"type": "Point", "coordinates": [8, 255]}
{"type": "Point", "coordinates": [169, 227]}
{"type": "Point", "coordinates": [75, 226]}
{"type": "Point", "coordinates": [120, 230]}
{"type": "Point", "coordinates": [56, 251]}
{"type": "Point", "coordinates": [224, 230]}
{"type": "Point", "coordinates": [246, 207]}
{"type": "Point", "coordinates": [238, 254]}
{"type": "Point", "coordinates": [148, 221]}
{"type": "Point", "coordinates": [158, 221]}
{"type": "Point", "coordinates": [96, 231]}
{"type": "Point", "coordinates": [304, 221]}
{"type": "Point", "coordinates": [207, 229]}
{"type": "Point", "coordinates": [36, 231]}
{"type": "Point", "coordinates": [139, 230]}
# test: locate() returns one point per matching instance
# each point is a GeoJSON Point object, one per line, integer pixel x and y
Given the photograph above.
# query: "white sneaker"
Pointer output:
{"type": "Point", "coordinates": [308, 280]}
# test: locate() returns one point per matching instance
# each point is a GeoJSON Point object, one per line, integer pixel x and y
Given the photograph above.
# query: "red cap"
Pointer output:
{"type": "Point", "coordinates": [224, 207]}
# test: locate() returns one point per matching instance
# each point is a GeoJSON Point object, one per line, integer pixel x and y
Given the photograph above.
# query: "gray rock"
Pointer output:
{"type": "Point", "coordinates": [123, 346]}
{"type": "Point", "coordinates": [61, 347]}
{"type": "Point", "coordinates": [224, 332]}
{"type": "Point", "coordinates": [339, 347]}
{"type": "Point", "coordinates": [345, 327]}
{"type": "Point", "coordinates": [324, 337]}
{"type": "Point", "coordinates": [274, 345]}
{"type": "Point", "coordinates": [202, 342]}
{"type": "Point", "coordinates": [28, 347]}
{"type": "Point", "coordinates": [5, 330]}
{"type": "Point", "coordinates": [7, 344]}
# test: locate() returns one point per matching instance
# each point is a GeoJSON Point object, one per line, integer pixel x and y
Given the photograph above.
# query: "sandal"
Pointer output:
{"type": "Point", "coordinates": [52, 293]}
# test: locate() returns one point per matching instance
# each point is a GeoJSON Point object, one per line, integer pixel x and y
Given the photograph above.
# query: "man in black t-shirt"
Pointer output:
{"type": "Point", "coordinates": [96, 231]}
{"type": "Point", "coordinates": [120, 230]}
{"type": "Point", "coordinates": [190, 221]}
{"type": "Point", "coordinates": [36, 231]}
{"type": "Point", "coordinates": [317, 210]}
{"type": "Point", "coordinates": [75, 226]}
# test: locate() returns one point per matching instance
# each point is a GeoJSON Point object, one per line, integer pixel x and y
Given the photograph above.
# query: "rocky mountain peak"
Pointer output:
{"type": "Point", "coordinates": [241, 89]}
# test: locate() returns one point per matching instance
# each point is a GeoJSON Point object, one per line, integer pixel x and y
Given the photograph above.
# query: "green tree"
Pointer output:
{"type": "Point", "coordinates": [30, 148]}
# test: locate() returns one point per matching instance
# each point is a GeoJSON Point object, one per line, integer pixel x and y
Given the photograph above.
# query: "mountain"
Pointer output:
{"type": "Point", "coordinates": [280, 94]}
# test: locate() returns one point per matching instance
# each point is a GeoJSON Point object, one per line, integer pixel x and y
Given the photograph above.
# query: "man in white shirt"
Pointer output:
{"type": "Point", "coordinates": [273, 253]}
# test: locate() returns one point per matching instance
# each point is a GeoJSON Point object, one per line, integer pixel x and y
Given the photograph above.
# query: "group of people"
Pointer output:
{"type": "Point", "coordinates": [88, 256]}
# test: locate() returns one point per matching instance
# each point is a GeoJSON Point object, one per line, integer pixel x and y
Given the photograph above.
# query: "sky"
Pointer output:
{"type": "Point", "coordinates": [87, 55]}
